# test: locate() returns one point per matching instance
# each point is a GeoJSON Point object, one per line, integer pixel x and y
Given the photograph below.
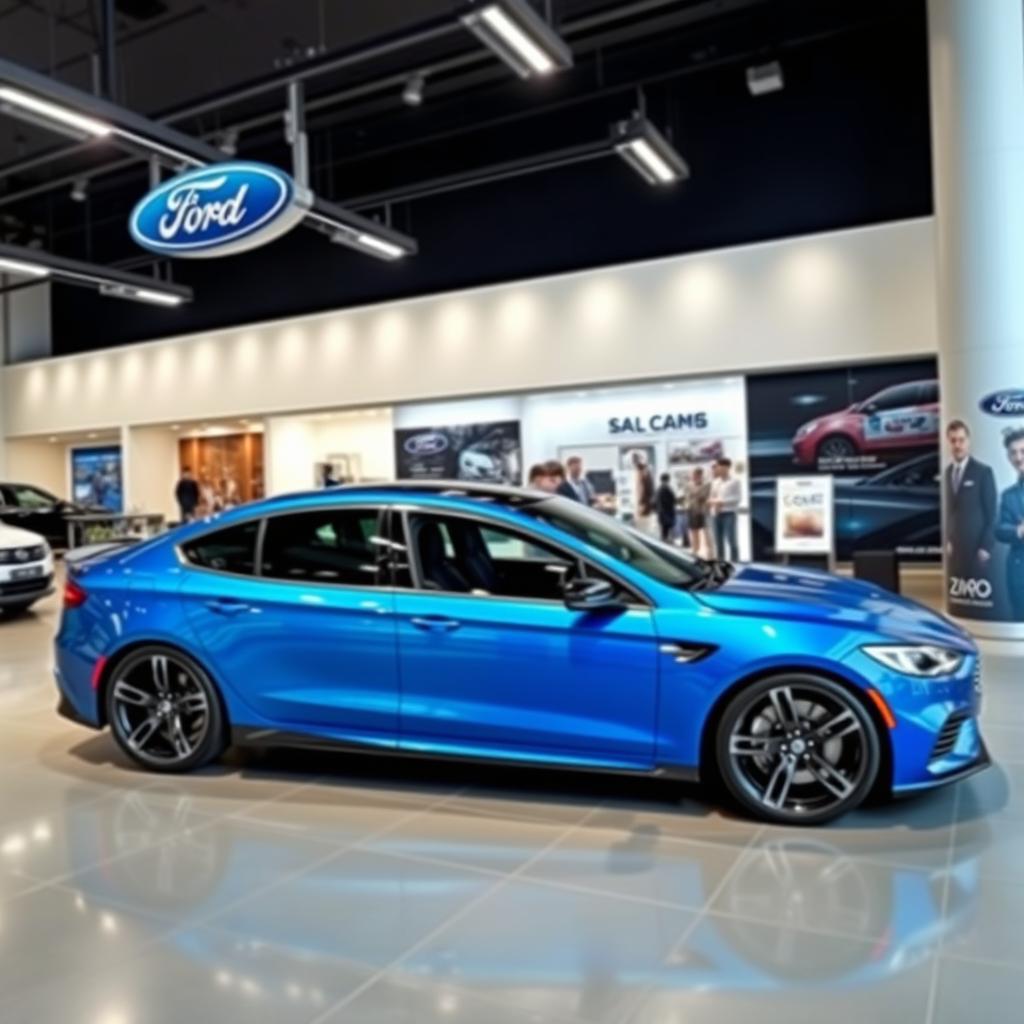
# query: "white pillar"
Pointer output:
{"type": "Point", "coordinates": [977, 102]}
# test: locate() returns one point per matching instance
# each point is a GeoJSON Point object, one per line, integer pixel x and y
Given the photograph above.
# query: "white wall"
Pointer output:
{"type": "Point", "coordinates": [294, 443]}
{"type": "Point", "coordinates": [41, 463]}
{"type": "Point", "coordinates": [151, 470]}
{"type": "Point", "coordinates": [847, 296]}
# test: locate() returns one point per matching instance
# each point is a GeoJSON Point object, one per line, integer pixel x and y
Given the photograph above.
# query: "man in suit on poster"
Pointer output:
{"type": "Point", "coordinates": [970, 501]}
{"type": "Point", "coordinates": [1010, 529]}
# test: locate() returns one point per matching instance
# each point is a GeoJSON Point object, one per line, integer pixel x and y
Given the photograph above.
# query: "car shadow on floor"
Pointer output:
{"type": "Point", "coordinates": [498, 783]}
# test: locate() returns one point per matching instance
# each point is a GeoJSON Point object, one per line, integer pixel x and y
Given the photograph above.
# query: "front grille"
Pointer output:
{"type": "Point", "coordinates": [22, 556]}
{"type": "Point", "coordinates": [24, 586]}
{"type": "Point", "coordinates": [949, 734]}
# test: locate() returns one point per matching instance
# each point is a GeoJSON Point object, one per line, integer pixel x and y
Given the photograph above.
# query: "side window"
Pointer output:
{"type": "Point", "coordinates": [895, 398]}
{"type": "Point", "coordinates": [460, 555]}
{"type": "Point", "coordinates": [929, 393]}
{"type": "Point", "coordinates": [229, 550]}
{"type": "Point", "coordinates": [29, 497]}
{"type": "Point", "coordinates": [331, 545]}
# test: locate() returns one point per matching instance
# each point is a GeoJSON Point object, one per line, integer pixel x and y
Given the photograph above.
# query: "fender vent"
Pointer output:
{"type": "Point", "coordinates": [949, 734]}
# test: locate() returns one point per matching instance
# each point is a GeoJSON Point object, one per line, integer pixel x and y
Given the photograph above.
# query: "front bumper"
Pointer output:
{"type": "Point", "coordinates": [936, 739]}
{"type": "Point", "coordinates": [23, 591]}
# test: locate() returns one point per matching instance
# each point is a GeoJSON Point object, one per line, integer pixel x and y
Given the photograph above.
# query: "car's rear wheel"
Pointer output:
{"type": "Point", "coordinates": [797, 749]}
{"type": "Point", "coordinates": [836, 447]}
{"type": "Point", "coordinates": [164, 710]}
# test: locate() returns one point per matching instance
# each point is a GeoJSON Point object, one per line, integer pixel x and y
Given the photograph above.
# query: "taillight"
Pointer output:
{"type": "Point", "coordinates": [74, 595]}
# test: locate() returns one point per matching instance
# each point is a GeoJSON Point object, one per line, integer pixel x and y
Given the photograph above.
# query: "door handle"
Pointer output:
{"type": "Point", "coordinates": [435, 623]}
{"type": "Point", "coordinates": [226, 606]}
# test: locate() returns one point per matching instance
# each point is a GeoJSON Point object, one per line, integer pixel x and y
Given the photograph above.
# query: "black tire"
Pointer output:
{"type": "Point", "coordinates": [164, 710]}
{"type": "Point", "coordinates": [797, 749]}
{"type": "Point", "coordinates": [835, 446]}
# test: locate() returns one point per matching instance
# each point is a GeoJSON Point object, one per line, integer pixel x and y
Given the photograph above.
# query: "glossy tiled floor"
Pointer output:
{"type": "Point", "coordinates": [332, 890]}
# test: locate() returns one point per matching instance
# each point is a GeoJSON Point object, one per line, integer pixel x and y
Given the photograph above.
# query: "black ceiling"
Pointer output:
{"type": "Point", "coordinates": [846, 142]}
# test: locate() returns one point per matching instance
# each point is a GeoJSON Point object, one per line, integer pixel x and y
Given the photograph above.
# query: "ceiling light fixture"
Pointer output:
{"type": "Point", "coordinates": [412, 94]}
{"type": "Point", "coordinates": [765, 78]}
{"type": "Point", "coordinates": [648, 152]}
{"type": "Point", "coordinates": [517, 34]}
{"type": "Point", "coordinates": [80, 190]}
{"type": "Point", "coordinates": [20, 267]}
{"type": "Point", "coordinates": [16, 101]}
{"type": "Point", "coordinates": [127, 291]}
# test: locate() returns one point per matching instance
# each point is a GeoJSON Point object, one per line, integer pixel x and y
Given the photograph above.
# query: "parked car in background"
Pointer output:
{"type": "Point", "coordinates": [451, 620]}
{"type": "Point", "coordinates": [26, 569]}
{"type": "Point", "coordinates": [902, 416]}
{"type": "Point", "coordinates": [32, 508]}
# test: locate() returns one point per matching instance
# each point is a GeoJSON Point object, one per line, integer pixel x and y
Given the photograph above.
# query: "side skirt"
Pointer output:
{"type": "Point", "coordinates": [249, 736]}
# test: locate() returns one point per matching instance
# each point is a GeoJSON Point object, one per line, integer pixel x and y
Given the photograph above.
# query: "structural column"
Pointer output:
{"type": "Point", "coordinates": [976, 50]}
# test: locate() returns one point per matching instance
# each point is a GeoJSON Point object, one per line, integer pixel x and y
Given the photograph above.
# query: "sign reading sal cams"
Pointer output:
{"type": "Point", "coordinates": [218, 210]}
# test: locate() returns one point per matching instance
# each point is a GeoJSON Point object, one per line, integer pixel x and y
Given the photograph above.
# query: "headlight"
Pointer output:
{"type": "Point", "coordinates": [805, 430]}
{"type": "Point", "coordinates": [917, 659]}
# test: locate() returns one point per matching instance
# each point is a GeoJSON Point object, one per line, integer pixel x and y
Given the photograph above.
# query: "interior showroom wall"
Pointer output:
{"type": "Point", "coordinates": [482, 384]}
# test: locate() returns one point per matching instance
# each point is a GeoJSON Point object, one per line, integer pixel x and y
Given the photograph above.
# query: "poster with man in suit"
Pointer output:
{"type": "Point", "coordinates": [1010, 526]}
{"type": "Point", "coordinates": [970, 503]}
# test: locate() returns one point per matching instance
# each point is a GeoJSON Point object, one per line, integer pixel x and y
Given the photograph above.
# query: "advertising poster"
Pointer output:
{"type": "Point", "coordinates": [482, 452]}
{"type": "Point", "coordinates": [874, 429]}
{"type": "Point", "coordinates": [96, 480]}
{"type": "Point", "coordinates": [983, 532]}
{"type": "Point", "coordinates": [804, 515]}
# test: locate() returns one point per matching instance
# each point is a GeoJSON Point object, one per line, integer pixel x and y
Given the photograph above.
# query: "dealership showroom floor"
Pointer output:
{"type": "Point", "coordinates": [511, 512]}
{"type": "Point", "coordinates": [288, 888]}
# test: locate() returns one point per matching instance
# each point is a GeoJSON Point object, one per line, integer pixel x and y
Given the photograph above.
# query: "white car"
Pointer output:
{"type": "Point", "coordinates": [26, 569]}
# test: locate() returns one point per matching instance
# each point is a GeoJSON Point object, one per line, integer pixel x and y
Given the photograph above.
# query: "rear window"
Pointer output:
{"type": "Point", "coordinates": [232, 549]}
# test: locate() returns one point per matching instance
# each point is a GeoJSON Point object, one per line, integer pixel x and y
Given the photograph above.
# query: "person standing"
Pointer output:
{"type": "Point", "coordinates": [970, 488]}
{"type": "Point", "coordinates": [1010, 525]}
{"type": "Point", "coordinates": [186, 494]}
{"type": "Point", "coordinates": [576, 486]}
{"type": "Point", "coordinates": [665, 503]}
{"type": "Point", "coordinates": [695, 503]}
{"type": "Point", "coordinates": [643, 491]}
{"type": "Point", "coordinates": [726, 495]}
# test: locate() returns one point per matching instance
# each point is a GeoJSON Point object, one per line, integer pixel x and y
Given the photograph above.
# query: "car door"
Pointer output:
{"type": "Point", "coordinates": [903, 416]}
{"type": "Point", "coordinates": [36, 510]}
{"type": "Point", "coordinates": [493, 663]}
{"type": "Point", "coordinates": [303, 632]}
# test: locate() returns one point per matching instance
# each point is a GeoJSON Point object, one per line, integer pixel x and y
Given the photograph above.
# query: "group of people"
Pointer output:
{"type": "Point", "coordinates": [199, 498]}
{"type": "Point", "coordinates": [710, 506]}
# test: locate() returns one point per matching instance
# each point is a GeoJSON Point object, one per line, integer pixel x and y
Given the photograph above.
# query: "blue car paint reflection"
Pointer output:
{"type": "Point", "coordinates": [396, 890]}
{"type": "Point", "coordinates": [520, 680]}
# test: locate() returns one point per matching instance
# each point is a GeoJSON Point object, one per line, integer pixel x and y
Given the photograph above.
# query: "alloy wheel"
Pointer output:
{"type": "Point", "coordinates": [160, 708]}
{"type": "Point", "coordinates": [800, 749]}
{"type": "Point", "coordinates": [835, 448]}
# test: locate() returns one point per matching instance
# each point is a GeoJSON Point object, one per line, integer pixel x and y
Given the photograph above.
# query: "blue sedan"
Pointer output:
{"type": "Point", "coordinates": [480, 622]}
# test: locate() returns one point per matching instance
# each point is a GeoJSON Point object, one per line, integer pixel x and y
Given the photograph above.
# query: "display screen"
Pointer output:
{"type": "Point", "coordinates": [875, 429]}
{"type": "Point", "coordinates": [484, 452]}
{"type": "Point", "coordinates": [96, 480]}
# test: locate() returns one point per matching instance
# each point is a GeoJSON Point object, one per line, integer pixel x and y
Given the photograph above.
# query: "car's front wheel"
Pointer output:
{"type": "Point", "coordinates": [164, 710]}
{"type": "Point", "coordinates": [797, 749]}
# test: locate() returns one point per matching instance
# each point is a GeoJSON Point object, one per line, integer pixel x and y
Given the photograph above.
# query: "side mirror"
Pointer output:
{"type": "Point", "coordinates": [587, 595]}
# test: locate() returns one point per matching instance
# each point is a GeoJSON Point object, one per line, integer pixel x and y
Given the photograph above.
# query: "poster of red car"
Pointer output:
{"type": "Point", "coordinates": [901, 416]}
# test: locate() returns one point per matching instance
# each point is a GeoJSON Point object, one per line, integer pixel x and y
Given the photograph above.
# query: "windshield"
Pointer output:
{"type": "Point", "coordinates": [661, 562]}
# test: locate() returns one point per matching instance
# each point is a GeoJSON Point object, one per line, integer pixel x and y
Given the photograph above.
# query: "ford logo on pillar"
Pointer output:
{"type": "Point", "coordinates": [1004, 403]}
{"type": "Point", "coordinates": [218, 210]}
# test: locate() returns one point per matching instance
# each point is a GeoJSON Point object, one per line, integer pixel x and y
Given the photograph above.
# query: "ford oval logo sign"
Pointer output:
{"type": "Point", "coordinates": [1004, 403]}
{"type": "Point", "coordinates": [432, 443]}
{"type": "Point", "coordinates": [218, 210]}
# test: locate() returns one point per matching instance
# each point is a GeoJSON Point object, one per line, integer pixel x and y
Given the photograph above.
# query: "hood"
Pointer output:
{"type": "Point", "coordinates": [15, 537]}
{"type": "Point", "coordinates": [780, 592]}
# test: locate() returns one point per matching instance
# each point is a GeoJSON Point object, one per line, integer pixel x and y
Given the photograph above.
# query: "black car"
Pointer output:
{"type": "Point", "coordinates": [34, 509]}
